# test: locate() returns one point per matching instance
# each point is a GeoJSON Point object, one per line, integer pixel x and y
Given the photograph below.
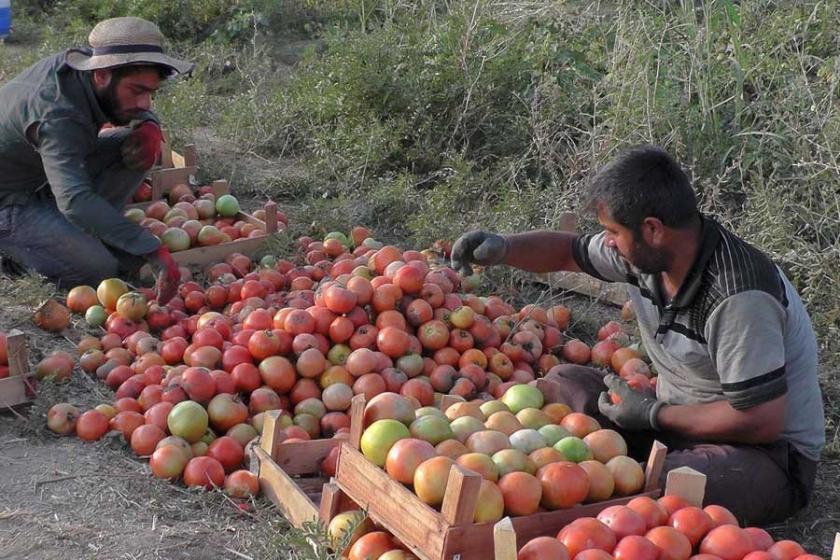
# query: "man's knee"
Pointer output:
{"type": "Point", "coordinates": [741, 478]}
{"type": "Point", "coordinates": [577, 386]}
{"type": "Point", "coordinates": [90, 267]}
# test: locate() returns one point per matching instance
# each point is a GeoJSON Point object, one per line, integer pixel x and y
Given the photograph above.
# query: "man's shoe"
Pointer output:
{"type": "Point", "coordinates": [10, 267]}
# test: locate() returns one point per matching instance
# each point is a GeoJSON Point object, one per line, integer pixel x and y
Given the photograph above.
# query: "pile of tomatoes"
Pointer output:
{"type": "Point", "coordinates": [664, 529]}
{"type": "Point", "coordinates": [345, 316]}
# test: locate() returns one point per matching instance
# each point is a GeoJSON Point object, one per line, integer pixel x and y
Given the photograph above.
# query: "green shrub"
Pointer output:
{"type": "Point", "coordinates": [487, 114]}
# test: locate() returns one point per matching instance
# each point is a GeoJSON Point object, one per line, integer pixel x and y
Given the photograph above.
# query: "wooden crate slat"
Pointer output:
{"type": "Point", "coordinates": [330, 498]}
{"type": "Point", "coordinates": [166, 156]}
{"type": "Point", "coordinates": [272, 434]}
{"type": "Point", "coordinates": [448, 400]}
{"type": "Point", "coordinates": [200, 256]}
{"type": "Point", "coordinates": [282, 490]}
{"type": "Point", "coordinates": [270, 217]}
{"type": "Point", "coordinates": [687, 483]}
{"type": "Point", "coordinates": [334, 501]}
{"type": "Point", "coordinates": [357, 420]}
{"type": "Point", "coordinates": [170, 158]}
{"type": "Point", "coordinates": [654, 466]}
{"type": "Point", "coordinates": [188, 159]}
{"type": "Point", "coordinates": [16, 353]}
{"type": "Point", "coordinates": [19, 387]}
{"type": "Point", "coordinates": [387, 502]}
{"type": "Point", "coordinates": [303, 457]}
{"type": "Point", "coordinates": [12, 391]}
{"type": "Point", "coordinates": [251, 220]}
{"type": "Point", "coordinates": [581, 283]}
{"type": "Point", "coordinates": [504, 540]}
{"type": "Point", "coordinates": [164, 179]}
{"type": "Point", "coordinates": [461, 496]}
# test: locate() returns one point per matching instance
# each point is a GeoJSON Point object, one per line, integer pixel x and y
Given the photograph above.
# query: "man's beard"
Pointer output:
{"type": "Point", "coordinates": [111, 105]}
{"type": "Point", "coordinates": [647, 259]}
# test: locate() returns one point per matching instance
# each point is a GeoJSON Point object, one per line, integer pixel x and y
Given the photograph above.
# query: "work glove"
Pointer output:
{"type": "Point", "coordinates": [478, 247]}
{"type": "Point", "coordinates": [637, 410]}
{"type": "Point", "coordinates": [141, 149]}
{"type": "Point", "coordinates": [168, 275]}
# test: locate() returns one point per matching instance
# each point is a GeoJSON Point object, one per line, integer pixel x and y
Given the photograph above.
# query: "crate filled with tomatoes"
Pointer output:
{"type": "Point", "coordinates": [439, 480]}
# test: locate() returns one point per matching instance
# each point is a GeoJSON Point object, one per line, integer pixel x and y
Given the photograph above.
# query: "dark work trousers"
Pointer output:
{"type": "Point", "coordinates": [38, 237]}
{"type": "Point", "coordinates": [760, 484]}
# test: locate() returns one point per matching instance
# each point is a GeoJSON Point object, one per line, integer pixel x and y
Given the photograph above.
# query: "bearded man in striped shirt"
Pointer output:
{"type": "Point", "coordinates": [737, 396]}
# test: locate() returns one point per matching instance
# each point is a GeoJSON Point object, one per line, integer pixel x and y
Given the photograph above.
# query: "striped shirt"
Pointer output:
{"type": "Point", "coordinates": [735, 330]}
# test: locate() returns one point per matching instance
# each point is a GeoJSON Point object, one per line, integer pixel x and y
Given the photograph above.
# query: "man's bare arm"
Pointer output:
{"type": "Point", "coordinates": [542, 251]}
{"type": "Point", "coordinates": [718, 421]}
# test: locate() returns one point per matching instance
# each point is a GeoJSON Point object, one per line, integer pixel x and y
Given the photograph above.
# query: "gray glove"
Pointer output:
{"type": "Point", "coordinates": [636, 411]}
{"type": "Point", "coordinates": [478, 247]}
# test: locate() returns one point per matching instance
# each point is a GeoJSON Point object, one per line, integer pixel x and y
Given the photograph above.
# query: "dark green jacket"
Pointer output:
{"type": "Point", "coordinates": [58, 107]}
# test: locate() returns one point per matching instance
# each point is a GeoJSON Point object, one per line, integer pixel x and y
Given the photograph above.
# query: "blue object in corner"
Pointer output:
{"type": "Point", "coordinates": [5, 18]}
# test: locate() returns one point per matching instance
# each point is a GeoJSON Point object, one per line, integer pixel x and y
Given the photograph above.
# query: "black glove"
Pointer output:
{"type": "Point", "coordinates": [478, 247]}
{"type": "Point", "coordinates": [637, 409]}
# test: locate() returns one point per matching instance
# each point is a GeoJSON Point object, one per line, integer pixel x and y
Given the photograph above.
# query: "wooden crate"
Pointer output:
{"type": "Point", "coordinates": [684, 482]}
{"type": "Point", "coordinates": [250, 246]}
{"type": "Point", "coordinates": [163, 180]}
{"type": "Point", "coordinates": [289, 473]}
{"type": "Point", "coordinates": [202, 256]}
{"type": "Point", "coordinates": [170, 159]}
{"type": "Point", "coordinates": [450, 534]}
{"type": "Point", "coordinates": [172, 177]}
{"type": "Point", "coordinates": [21, 384]}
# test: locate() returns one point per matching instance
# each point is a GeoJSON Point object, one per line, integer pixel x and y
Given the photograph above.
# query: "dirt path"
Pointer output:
{"type": "Point", "coordinates": [64, 499]}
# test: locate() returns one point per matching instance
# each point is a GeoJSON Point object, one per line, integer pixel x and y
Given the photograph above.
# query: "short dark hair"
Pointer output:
{"type": "Point", "coordinates": [120, 72]}
{"type": "Point", "coordinates": [644, 181]}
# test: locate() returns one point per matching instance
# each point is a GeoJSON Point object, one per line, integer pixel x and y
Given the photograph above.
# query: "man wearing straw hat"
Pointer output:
{"type": "Point", "coordinates": [737, 396]}
{"type": "Point", "coordinates": [77, 137]}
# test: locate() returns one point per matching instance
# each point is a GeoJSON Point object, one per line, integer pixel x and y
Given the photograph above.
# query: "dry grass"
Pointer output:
{"type": "Point", "coordinates": [20, 296]}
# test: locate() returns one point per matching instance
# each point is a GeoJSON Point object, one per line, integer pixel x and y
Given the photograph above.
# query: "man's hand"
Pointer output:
{"type": "Point", "coordinates": [142, 147]}
{"type": "Point", "coordinates": [478, 247]}
{"type": "Point", "coordinates": [635, 411]}
{"type": "Point", "coordinates": [168, 275]}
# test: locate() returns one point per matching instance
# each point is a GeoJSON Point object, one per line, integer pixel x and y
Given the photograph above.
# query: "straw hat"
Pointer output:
{"type": "Point", "coordinates": [124, 41]}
